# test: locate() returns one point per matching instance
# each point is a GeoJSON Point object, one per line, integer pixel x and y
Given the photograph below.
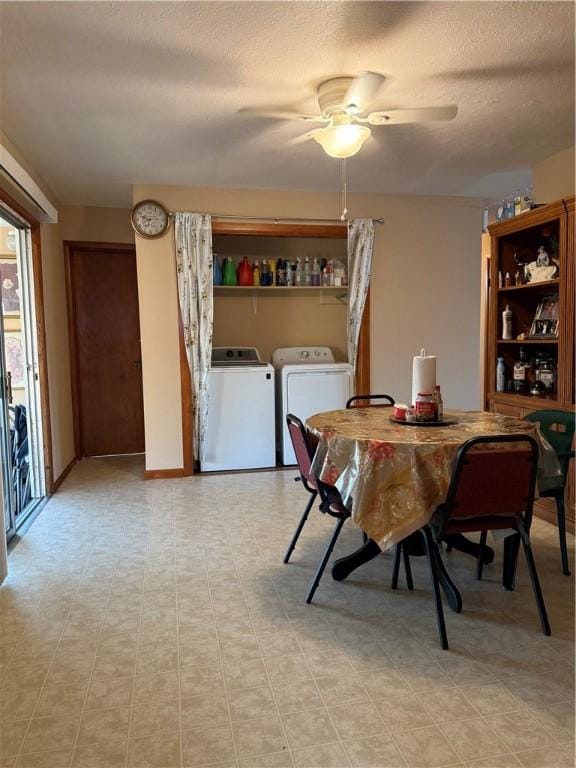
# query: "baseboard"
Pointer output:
{"type": "Point", "coordinates": [166, 474]}
{"type": "Point", "coordinates": [63, 475]}
{"type": "Point", "coordinates": [545, 509]}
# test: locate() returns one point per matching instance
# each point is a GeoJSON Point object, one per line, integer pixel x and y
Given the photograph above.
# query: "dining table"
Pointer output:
{"type": "Point", "coordinates": [393, 475]}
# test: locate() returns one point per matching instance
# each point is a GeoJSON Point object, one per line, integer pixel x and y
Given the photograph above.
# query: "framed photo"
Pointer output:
{"type": "Point", "coordinates": [545, 323]}
{"type": "Point", "coordinates": [10, 286]}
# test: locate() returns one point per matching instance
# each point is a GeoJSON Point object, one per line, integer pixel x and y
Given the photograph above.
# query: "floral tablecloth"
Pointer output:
{"type": "Point", "coordinates": [393, 476]}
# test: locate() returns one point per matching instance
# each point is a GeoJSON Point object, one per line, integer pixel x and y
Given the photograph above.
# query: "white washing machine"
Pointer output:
{"type": "Point", "coordinates": [308, 381]}
{"type": "Point", "coordinates": [240, 433]}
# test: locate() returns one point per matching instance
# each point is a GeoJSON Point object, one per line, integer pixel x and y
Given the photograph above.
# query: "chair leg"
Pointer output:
{"type": "Point", "coordinates": [562, 533]}
{"type": "Point", "coordinates": [303, 519]}
{"type": "Point", "coordinates": [511, 549]}
{"type": "Point", "coordinates": [536, 584]}
{"type": "Point", "coordinates": [430, 545]}
{"type": "Point", "coordinates": [407, 569]}
{"type": "Point", "coordinates": [480, 561]}
{"type": "Point", "coordinates": [396, 567]}
{"type": "Point", "coordinates": [325, 559]}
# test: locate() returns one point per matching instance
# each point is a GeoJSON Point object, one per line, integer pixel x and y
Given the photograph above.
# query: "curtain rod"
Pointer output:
{"type": "Point", "coordinates": [280, 219]}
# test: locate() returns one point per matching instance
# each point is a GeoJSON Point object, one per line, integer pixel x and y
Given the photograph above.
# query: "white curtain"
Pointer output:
{"type": "Point", "coordinates": [360, 246]}
{"type": "Point", "coordinates": [193, 235]}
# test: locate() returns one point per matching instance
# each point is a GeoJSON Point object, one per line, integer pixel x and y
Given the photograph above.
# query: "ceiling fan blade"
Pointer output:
{"type": "Point", "coordinates": [280, 114]}
{"type": "Point", "coordinates": [362, 91]}
{"type": "Point", "coordinates": [303, 138]}
{"type": "Point", "coordinates": [402, 116]}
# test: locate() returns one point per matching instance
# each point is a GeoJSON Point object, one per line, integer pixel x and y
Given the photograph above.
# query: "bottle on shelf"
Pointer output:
{"type": "Point", "coordinates": [315, 275]}
{"type": "Point", "coordinates": [264, 273]}
{"type": "Point", "coordinates": [330, 271]}
{"type": "Point", "coordinates": [500, 280]}
{"type": "Point", "coordinates": [522, 372]}
{"type": "Point", "coordinates": [280, 273]}
{"type": "Point", "coordinates": [289, 273]}
{"type": "Point", "coordinates": [500, 375]}
{"type": "Point", "coordinates": [229, 272]}
{"type": "Point", "coordinates": [325, 277]}
{"type": "Point", "coordinates": [507, 280]}
{"type": "Point", "coordinates": [298, 274]}
{"type": "Point", "coordinates": [507, 323]}
{"type": "Point", "coordinates": [244, 272]}
{"type": "Point", "coordinates": [256, 273]}
{"type": "Point", "coordinates": [272, 276]}
{"type": "Point", "coordinates": [307, 276]}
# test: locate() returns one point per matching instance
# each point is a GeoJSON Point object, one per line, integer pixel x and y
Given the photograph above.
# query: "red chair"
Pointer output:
{"type": "Point", "coordinates": [490, 489]}
{"type": "Point", "coordinates": [330, 500]}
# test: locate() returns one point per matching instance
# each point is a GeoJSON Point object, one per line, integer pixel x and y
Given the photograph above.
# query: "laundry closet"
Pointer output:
{"type": "Point", "coordinates": [307, 322]}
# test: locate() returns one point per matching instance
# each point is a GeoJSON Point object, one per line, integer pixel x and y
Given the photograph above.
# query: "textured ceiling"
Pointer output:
{"type": "Point", "coordinates": [100, 95]}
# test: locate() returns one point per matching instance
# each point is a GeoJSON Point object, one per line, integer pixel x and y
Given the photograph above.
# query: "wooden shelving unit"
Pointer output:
{"type": "Point", "coordinates": [523, 235]}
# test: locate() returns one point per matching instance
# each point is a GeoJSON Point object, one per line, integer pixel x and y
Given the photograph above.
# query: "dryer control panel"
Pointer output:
{"type": "Point", "coordinates": [301, 355]}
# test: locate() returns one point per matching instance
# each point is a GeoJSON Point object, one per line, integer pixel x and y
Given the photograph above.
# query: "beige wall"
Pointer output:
{"type": "Point", "coordinates": [425, 292]}
{"type": "Point", "coordinates": [99, 225]}
{"type": "Point", "coordinates": [553, 178]}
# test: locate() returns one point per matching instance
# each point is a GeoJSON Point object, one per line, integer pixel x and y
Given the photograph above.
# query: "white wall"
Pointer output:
{"type": "Point", "coordinates": [425, 292]}
{"type": "Point", "coordinates": [554, 177]}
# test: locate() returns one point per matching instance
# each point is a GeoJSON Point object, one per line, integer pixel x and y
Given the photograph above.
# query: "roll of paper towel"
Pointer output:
{"type": "Point", "coordinates": [423, 374]}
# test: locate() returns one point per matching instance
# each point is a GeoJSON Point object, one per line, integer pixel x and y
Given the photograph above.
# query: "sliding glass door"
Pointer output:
{"type": "Point", "coordinates": [21, 439]}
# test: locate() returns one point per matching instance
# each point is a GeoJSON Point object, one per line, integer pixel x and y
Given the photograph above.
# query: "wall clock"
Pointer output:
{"type": "Point", "coordinates": [150, 219]}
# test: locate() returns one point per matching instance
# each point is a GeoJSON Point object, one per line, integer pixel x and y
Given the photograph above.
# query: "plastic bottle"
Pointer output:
{"type": "Point", "coordinates": [289, 273]}
{"type": "Point", "coordinates": [280, 273]}
{"type": "Point", "coordinates": [500, 280]}
{"type": "Point", "coordinates": [272, 276]}
{"type": "Point", "coordinates": [298, 273]}
{"type": "Point", "coordinates": [264, 273]}
{"type": "Point", "coordinates": [256, 273]}
{"type": "Point", "coordinates": [330, 272]}
{"type": "Point", "coordinates": [315, 276]}
{"type": "Point", "coordinates": [500, 375]}
{"type": "Point", "coordinates": [307, 276]}
{"type": "Point", "coordinates": [507, 323]}
{"type": "Point", "coordinates": [438, 404]}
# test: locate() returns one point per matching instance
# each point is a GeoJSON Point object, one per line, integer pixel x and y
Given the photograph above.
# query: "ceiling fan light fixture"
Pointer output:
{"type": "Point", "coordinates": [342, 139]}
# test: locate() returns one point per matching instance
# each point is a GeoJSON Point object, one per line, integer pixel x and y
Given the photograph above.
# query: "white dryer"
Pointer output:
{"type": "Point", "coordinates": [240, 433]}
{"type": "Point", "coordinates": [308, 381]}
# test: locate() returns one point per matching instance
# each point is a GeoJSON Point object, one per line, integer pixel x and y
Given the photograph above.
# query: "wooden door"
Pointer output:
{"type": "Point", "coordinates": [105, 342]}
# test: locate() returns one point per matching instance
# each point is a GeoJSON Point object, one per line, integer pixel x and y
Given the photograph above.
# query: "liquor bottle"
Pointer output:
{"type": "Point", "coordinates": [256, 273]}
{"type": "Point", "coordinates": [522, 372]}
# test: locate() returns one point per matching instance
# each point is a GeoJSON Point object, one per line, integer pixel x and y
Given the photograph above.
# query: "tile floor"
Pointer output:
{"type": "Point", "coordinates": [154, 624]}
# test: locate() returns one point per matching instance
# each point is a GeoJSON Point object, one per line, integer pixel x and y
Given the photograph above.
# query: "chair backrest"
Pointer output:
{"type": "Point", "coordinates": [302, 449]}
{"type": "Point", "coordinates": [365, 401]}
{"type": "Point", "coordinates": [558, 430]}
{"type": "Point", "coordinates": [494, 476]}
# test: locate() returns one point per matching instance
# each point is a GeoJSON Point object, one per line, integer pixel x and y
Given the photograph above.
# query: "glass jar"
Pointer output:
{"type": "Point", "coordinates": [546, 373]}
{"type": "Point", "coordinates": [425, 406]}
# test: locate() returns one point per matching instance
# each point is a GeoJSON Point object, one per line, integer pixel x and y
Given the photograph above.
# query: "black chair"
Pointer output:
{"type": "Point", "coordinates": [351, 402]}
{"type": "Point", "coordinates": [330, 500]}
{"type": "Point", "coordinates": [490, 489]}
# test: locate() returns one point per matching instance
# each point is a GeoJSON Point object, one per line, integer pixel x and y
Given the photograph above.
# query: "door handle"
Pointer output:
{"type": "Point", "coordinates": [9, 387]}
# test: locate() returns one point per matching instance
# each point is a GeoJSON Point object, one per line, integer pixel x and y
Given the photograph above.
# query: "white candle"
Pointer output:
{"type": "Point", "coordinates": [423, 374]}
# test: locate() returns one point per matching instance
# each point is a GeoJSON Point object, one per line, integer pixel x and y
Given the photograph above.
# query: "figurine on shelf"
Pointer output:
{"type": "Point", "coordinates": [542, 258]}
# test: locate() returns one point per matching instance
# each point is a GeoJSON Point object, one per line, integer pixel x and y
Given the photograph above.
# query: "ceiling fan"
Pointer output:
{"type": "Point", "coordinates": [343, 102]}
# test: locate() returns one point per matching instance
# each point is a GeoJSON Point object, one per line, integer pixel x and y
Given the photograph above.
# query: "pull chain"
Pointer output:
{"type": "Point", "coordinates": [344, 192]}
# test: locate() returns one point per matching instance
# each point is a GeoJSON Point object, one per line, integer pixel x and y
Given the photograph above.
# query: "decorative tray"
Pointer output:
{"type": "Point", "coordinates": [444, 423]}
